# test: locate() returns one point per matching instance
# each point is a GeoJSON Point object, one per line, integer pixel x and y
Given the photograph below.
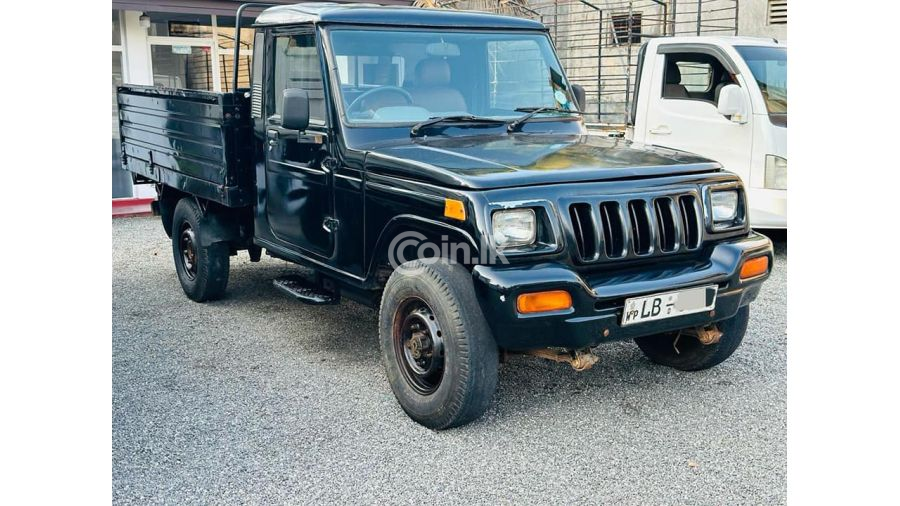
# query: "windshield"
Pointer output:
{"type": "Point", "coordinates": [769, 68]}
{"type": "Point", "coordinates": [408, 76]}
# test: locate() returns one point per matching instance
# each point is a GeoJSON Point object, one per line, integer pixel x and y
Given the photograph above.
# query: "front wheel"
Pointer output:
{"type": "Point", "coordinates": [687, 353]}
{"type": "Point", "coordinates": [202, 269]}
{"type": "Point", "coordinates": [439, 354]}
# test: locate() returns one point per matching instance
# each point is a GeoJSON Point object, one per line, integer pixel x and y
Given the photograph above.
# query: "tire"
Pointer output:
{"type": "Point", "coordinates": [691, 354]}
{"type": "Point", "coordinates": [202, 270]}
{"type": "Point", "coordinates": [165, 215]}
{"type": "Point", "coordinates": [438, 390]}
{"type": "Point", "coordinates": [166, 205]}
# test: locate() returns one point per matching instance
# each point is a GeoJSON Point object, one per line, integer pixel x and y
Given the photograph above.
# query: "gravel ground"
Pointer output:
{"type": "Point", "coordinates": [260, 399]}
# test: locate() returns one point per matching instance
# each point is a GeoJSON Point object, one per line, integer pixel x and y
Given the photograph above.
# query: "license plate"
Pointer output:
{"type": "Point", "coordinates": [669, 304]}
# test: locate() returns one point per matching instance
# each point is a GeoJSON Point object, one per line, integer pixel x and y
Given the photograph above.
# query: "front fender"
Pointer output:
{"type": "Point", "coordinates": [414, 230]}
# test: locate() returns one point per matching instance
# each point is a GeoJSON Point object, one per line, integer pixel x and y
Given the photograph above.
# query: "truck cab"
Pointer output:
{"type": "Point", "coordinates": [434, 165]}
{"type": "Point", "coordinates": [724, 98]}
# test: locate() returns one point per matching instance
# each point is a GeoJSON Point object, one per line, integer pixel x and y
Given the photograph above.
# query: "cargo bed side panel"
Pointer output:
{"type": "Point", "coordinates": [199, 142]}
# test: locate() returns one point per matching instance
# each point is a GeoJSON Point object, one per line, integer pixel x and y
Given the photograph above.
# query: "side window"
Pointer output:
{"type": "Point", "coordinates": [297, 65]}
{"type": "Point", "coordinates": [694, 76]}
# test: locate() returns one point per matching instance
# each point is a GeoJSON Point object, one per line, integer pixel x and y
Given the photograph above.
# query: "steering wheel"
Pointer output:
{"type": "Point", "coordinates": [383, 89]}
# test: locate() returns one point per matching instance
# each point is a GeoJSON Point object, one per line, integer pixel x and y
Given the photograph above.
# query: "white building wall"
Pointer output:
{"type": "Point", "coordinates": [753, 21]}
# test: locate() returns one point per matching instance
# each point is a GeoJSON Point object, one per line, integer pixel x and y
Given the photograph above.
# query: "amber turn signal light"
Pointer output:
{"type": "Point", "coordinates": [539, 302]}
{"type": "Point", "coordinates": [754, 267]}
{"type": "Point", "coordinates": [454, 209]}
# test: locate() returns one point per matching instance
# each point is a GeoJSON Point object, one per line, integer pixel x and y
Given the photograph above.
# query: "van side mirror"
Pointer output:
{"type": "Point", "coordinates": [732, 103]}
{"type": "Point", "coordinates": [580, 99]}
{"type": "Point", "coordinates": [295, 109]}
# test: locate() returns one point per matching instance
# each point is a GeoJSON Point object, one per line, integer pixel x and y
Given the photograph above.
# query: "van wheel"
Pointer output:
{"type": "Point", "coordinates": [688, 354]}
{"type": "Point", "coordinates": [440, 357]}
{"type": "Point", "coordinates": [202, 270]}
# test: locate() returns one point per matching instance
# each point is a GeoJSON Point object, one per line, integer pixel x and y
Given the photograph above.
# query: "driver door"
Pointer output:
{"type": "Point", "coordinates": [684, 114]}
{"type": "Point", "coordinates": [299, 178]}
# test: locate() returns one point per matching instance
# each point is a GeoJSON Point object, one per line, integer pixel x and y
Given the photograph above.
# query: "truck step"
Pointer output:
{"type": "Point", "coordinates": [304, 291]}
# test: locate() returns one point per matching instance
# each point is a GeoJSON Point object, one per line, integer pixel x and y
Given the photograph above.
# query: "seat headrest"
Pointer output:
{"type": "Point", "coordinates": [673, 74]}
{"type": "Point", "coordinates": [433, 72]}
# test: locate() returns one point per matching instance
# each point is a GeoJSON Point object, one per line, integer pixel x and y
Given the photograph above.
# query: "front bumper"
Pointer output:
{"type": "Point", "coordinates": [598, 298]}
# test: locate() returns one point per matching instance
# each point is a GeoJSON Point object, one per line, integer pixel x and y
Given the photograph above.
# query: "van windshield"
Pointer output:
{"type": "Point", "coordinates": [390, 77]}
{"type": "Point", "coordinates": [769, 68]}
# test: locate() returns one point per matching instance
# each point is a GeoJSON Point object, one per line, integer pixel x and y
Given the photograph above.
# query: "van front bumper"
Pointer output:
{"type": "Point", "coordinates": [598, 298]}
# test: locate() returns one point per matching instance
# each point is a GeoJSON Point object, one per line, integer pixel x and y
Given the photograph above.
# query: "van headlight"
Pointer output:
{"type": "Point", "coordinates": [513, 228]}
{"type": "Point", "coordinates": [776, 172]}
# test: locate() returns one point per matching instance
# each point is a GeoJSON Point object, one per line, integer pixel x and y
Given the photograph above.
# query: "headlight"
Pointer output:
{"type": "Point", "coordinates": [724, 205]}
{"type": "Point", "coordinates": [514, 227]}
{"type": "Point", "coordinates": [776, 172]}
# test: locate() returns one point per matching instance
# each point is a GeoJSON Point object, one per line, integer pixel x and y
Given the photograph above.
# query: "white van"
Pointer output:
{"type": "Point", "coordinates": [724, 98]}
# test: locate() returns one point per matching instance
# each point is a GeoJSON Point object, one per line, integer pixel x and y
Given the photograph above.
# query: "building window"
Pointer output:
{"type": "Point", "coordinates": [225, 39]}
{"type": "Point", "coordinates": [121, 180]}
{"type": "Point", "coordinates": [167, 24]}
{"type": "Point", "coordinates": [777, 12]}
{"type": "Point", "coordinates": [620, 24]}
{"type": "Point", "coordinates": [197, 51]}
{"type": "Point", "coordinates": [182, 66]}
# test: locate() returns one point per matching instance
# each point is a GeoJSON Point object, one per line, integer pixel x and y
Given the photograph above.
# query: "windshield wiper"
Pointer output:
{"type": "Point", "coordinates": [514, 125]}
{"type": "Point", "coordinates": [462, 118]}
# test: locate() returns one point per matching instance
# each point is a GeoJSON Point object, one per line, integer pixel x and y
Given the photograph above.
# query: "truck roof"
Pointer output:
{"type": "Point", "coordinates": [373, 14]}
{"type": "Point", "coordinates": [719, 40]}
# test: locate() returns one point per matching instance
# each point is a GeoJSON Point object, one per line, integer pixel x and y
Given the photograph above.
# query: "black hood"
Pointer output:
{"type": "Point", "coordinates": [497, 161]}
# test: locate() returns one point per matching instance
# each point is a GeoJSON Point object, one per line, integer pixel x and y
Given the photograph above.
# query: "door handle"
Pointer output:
{"type": "Point", "coordinates": [661, 130]}
{"type": "Point", "coordinates": [272, 135]}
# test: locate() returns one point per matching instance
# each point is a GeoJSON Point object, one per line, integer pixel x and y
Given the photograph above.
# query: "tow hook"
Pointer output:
{"type": "Point", "coordinates": [706, 335]}
{"type": "Point", "coordinates": [580, 360]}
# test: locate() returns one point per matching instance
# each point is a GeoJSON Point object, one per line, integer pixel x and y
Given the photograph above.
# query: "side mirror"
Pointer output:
{"type": "Point", "coordinates": [732, 103]}
{"type": "Point", "coordinates": [578, 91]}
{"type": "Point", "coordinates": [295, 109]}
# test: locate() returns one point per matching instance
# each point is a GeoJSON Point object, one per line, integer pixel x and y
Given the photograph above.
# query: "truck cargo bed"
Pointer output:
{"type": "Point", "coordinates": [199, 142]}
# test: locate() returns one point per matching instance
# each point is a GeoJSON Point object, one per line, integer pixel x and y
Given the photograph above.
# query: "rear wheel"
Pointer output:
{"type": "Point", "coordinates": [687, 353]}
{"type": "Point", "coordinates": [166, 203]}
{"type": "Point", "coordinates": [202, 270]}
{"type": "Point", "coordinates": [440, 357]}
{"type": "Point", "coordinates": [165, 215]}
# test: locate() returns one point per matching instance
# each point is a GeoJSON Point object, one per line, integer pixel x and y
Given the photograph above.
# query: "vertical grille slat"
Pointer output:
{"type": "Point", "coordinates": [668, 225]}
{"type": "Point", "coordinates": [690, 219]}
{"type": "Point", "coordinates": [587, 235]}
{"type": "Point", "coordinates": [641, 232]}
{"type": "Point", "coordinates": [614, 233]}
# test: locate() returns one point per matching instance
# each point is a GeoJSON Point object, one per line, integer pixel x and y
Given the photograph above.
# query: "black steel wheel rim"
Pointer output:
{"type": "Point", "coordinates": [187, 242]}
{"type": "Point", "coordinates": [419, 345]}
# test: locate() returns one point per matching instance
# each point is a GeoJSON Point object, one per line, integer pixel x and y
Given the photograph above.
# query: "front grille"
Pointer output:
{"type": "Point", "coordinates": [631, 228]}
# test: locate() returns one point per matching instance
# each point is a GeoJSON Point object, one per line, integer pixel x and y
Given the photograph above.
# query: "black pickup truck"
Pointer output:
{"type": "Point", "coordinates": [434, 165]}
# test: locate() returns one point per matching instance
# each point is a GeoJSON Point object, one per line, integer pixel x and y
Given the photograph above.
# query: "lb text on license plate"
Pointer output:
{"type": "Point", "coordinates": [669, 304]}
